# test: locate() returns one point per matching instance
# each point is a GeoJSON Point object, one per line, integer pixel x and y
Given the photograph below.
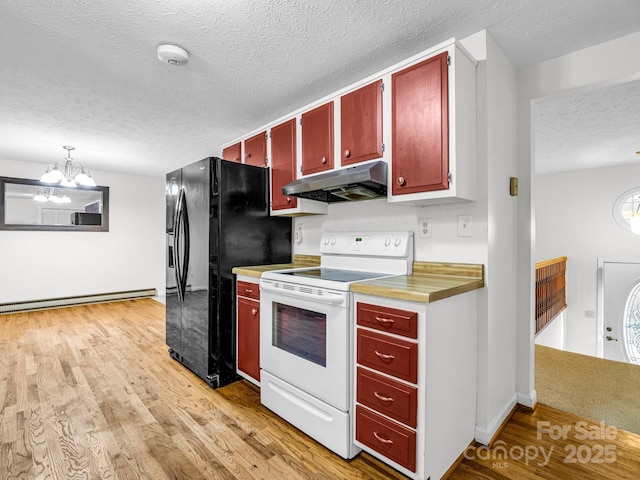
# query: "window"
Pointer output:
{"type": "Point", "coordinates": [625, 205]}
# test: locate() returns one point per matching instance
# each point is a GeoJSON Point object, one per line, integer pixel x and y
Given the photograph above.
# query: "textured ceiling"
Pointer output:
{"type": "Point", "coordinates": [85, 73]}
{"type": "Point", "coordinates": [588, 129]}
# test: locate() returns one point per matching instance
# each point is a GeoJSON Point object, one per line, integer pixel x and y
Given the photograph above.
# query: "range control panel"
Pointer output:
{"type": "Point", "coordinates": [377, 244]}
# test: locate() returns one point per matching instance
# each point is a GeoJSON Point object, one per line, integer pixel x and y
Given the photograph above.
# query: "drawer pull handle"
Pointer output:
{"type": "Point", "coordinates": [384, 441]}
{"type": "Point", "coordinates": [382, 398]}
{"type": "Point", "coordinates": [248, 290]}
{"type": "Point", "coordinates": [385, 357]}
{"type": "Point", "coordinates": [385, 321]}
{"type": "Point", "coordinates": [254, 311]}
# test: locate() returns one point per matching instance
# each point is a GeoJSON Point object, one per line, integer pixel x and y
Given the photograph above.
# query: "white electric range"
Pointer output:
{"type": "Point", "coordinates": [306, 345]}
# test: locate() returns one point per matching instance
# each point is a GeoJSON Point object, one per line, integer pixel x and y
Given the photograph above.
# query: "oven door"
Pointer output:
{"type": "Point", "coordinates": [305, 339]}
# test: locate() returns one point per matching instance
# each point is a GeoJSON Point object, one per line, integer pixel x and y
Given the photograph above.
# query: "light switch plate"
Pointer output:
{"type": "Point", "coordinates": [424, 228]}
{"type": "Point", "coordinates": [464, 226]}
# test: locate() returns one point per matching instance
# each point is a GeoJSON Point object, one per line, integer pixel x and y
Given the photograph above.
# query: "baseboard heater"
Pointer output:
{"type": "Point", "coordinates": [31, 305]}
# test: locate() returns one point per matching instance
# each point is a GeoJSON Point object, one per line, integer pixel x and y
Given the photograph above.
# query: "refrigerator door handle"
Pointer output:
{"type": "Point", "coordinates": [213, 181]}
{"type": "Point", "coordinates": [186, 244]}
{"type": "Point", "coordinates": [176, 245]}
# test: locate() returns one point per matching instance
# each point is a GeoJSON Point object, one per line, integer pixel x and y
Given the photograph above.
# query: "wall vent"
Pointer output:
{"type": "Point", "coordinates": [32, 305]}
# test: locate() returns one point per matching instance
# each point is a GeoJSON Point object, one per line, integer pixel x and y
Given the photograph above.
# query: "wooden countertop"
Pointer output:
{"type": "Point", "coordinates": [429, 282]}
{"type": "Point", "coordinates": [256, 271]}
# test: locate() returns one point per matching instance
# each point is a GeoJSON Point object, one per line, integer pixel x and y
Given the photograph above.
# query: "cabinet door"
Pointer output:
{"type": "Point", "coordinates": [255, 150]}
{"type": "Point", "coordinates": [232, 153]}
{"type": "Point", "coordinates": [420, 127]}
{"type": "Point", "coordinates": [249, 337]}
{"type": "Point", "coordinates": [361, 124]}
{"type": "Point", "coordinates": [283, 163]}
{"type": "Point", "coordinates": [317, 139]}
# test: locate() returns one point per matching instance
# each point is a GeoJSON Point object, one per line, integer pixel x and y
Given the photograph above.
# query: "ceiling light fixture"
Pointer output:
{"type": "Point", "coordinates": [68, 175]}
{"type": "Point", "coordinates": [173, 54]}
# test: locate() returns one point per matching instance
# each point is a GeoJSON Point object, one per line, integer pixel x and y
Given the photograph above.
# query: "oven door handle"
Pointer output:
{"type": "Point", "coordinates": [265, 287]}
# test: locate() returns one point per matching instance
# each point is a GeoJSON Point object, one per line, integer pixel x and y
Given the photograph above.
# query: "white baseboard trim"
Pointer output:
{"type": "Point", "coordinates": [31, 305]}
{"type": "Point", "coordinates": [484, 435]}
{"type": "Point", "coordinates": [528, 400]}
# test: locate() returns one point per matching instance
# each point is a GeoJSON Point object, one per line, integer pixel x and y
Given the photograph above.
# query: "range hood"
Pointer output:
{"type": "Point", "coordinates": [361, 182]}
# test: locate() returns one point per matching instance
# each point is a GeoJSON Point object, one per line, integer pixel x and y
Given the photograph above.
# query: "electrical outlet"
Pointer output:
{"type": "Point", "coordinates": [424, 228]}
{"type": "Point", "coordinates": [297, 234]}
{"type": "Point", "coordinates": [464, 226]}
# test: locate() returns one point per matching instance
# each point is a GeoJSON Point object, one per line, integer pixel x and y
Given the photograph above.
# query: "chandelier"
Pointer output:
{"type": "Point", "coordinates": [68, 175]}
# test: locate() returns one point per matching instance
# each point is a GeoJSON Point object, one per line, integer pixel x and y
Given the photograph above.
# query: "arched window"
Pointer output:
{"type": "Point", "coordinates": [626, 205]}
{"type": "Point", "coordinates": [631, 325]}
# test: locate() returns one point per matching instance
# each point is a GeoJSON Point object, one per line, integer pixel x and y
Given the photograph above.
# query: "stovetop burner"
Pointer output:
{"type": "Point", "coordinates": [348, 257]}
{"type": "Point", "coordinates": [334, 274]}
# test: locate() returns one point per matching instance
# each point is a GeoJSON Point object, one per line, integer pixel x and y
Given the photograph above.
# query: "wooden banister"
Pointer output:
{"type": "Point", "coordinates": [550, 290]}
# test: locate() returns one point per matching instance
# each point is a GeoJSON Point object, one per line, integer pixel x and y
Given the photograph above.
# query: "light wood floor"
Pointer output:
{"type": "Point", "coordinates": [91, 393]}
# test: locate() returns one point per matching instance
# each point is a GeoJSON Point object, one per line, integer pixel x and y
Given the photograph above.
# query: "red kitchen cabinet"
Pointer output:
{"type": "Point", "coordinates": [317, 139]}
{"type": "Point", "coordinates": [248, 331]}
{"type": "Point", "coordinates": [255, 150]}
{"type": "Point", "coordinates": [420, 127]}
{"type": "Point", "coordinates": [233, 153]}
{"type": "Point", "coordinates": [283, 164]}
{"type": "Point", "coordinates": [361, 124]}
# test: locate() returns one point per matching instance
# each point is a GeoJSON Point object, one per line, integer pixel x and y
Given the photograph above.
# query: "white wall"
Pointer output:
{"type": "Point", "coordinates": [497, 350]}
{"type": "Point", "coordinates": [378, 215]}
{"type": "Point", "coordinates": [606, 63]}
{"type": "Point", "coordinates": [38, 265]}
{"type": "Point", "coordinates": [574, 218]}
{"type": "Point", "coordinates": [552, 335]}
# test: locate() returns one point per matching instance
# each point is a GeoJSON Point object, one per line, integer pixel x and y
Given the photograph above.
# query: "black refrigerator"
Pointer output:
{"type": "Point", "coordinates": [217, 218]}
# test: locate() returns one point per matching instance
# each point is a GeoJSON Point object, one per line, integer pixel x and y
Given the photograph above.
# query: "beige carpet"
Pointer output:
{"type": "Point", "coordinates": [594, 388]}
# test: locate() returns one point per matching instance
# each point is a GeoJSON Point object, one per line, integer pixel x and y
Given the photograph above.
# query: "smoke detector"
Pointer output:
{"type": "Point", "coordinates": [173, 54]}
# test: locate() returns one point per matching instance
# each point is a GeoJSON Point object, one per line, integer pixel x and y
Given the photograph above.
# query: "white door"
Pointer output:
{"type": "Point", "coordinates": [621, 311]}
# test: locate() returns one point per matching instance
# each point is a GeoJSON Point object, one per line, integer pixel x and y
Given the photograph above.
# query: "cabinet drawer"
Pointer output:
{"type": "Point", "coordinates": [387, 354]}
{"type": "Point", "coordinates": [392, 320]}
{"type": "Point", "coordinates": [249, 290]}
{"type": "Point", "coordinates": [389, 397]}
{"type": "Point", "coordinates": [388, 438]}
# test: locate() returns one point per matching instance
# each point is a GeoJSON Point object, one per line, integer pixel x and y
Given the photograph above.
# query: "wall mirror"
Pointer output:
{"type": "Point", "coordinates": [33, 205]}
